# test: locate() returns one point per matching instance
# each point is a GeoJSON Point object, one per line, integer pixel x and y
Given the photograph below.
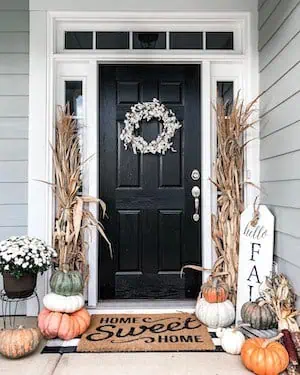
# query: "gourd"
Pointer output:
{"type": "Point", "coordinates": [232, 340]}
{"type": "Point", "coordinates": [215, 315]}
{"type": "Point", "coordinates": [65, 326]}
{"type": "Point", "coordinates": [215, 290]}
{"type": "Point", "coordinates": [258, 314]}
{"type": "Point", "coordinates": [67, 283]}
{"type": "Point", "coordinates": [55, 302]}
{"type": "Point", "coordinates": [265, 357]}
{"type": "Point", "coordinates": [20, 342]}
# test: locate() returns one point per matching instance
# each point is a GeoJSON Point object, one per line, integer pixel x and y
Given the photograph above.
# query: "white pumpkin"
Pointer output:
{"type": "Point", "coordinates": [63, 304]}
{"type": "Point", "coordinates": [215, 315]}
{"type": "Point", "coordinates": [232, 340]}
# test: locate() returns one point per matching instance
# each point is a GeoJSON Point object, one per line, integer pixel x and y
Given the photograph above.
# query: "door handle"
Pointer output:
{"type": "Point", "coordinates": [196, 195]}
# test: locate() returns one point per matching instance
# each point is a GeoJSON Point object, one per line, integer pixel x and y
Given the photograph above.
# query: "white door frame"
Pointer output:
{"type": "Point", "coordinates": [50, 64]}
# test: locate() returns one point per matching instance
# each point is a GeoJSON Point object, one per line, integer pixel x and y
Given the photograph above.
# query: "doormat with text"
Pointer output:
{"type": "Point", "coordinates": [145, 333]}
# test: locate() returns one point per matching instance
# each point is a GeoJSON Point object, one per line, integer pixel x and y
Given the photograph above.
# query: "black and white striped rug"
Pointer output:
{"type": "Point", "coordinates": [59, 346]}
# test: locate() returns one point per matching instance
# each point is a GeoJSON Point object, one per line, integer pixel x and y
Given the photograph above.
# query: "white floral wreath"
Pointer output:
{"type": "Point", "coordinates": [147, 111]}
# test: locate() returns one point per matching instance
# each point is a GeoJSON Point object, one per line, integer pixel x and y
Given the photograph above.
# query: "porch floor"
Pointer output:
{"type": "Point", "coordinates": [122, 363]}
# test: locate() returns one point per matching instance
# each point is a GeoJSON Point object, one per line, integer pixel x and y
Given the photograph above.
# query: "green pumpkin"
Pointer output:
{"type": "Point", "coordinates": [67, 283]}
{"type": "Point", "coordinates": [258, 314]}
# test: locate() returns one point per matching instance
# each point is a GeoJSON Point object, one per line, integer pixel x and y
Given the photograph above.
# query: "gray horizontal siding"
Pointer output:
{"type": "Point", "coordinates": [281, 142]}
{"type": "Point", "coordinates": [280, 66]}
{"type": "Point", "coordinates": [14, 84]}
{"type": "Point", "coordinates": [285, 241]}
{"type": "Point", "coordinates": [266, 9]}
{"type": "Point", "coordinates": [281, 116]}
{"type": "Point", "coordinates": [13, 106]}
{"type": "Point", "coordinates": [14, 5]}
{"type": "Point", "coordinates": [261, 3]}
{"type": "Point", "coordinates": [14, 21]}
{"type": "Point", "coordinates": [282, 193]}
{"type": "Point", "coordinates": [284, 88]}
{"type": "Point", "coordinates": [13, 193]}
{"type": "Point", "coordinates": [275, 168]}
{"type": "Point", "coordinates": [279, 39]}
{"type": "Point", "coordinates": [13, 215]}
{"type": "Point", "coordinates": [13, 127]}
{"type": "Point", "coordinates": [13, 171]}
{"type": "Point", "coordinates": [279, 11]}
{"type": "Point", "coordinates": [16, 64]}
{"type": "Point", "coordinates": [6, 232]}
{"type": "Point", "coordinates": [292, 271]}
{"type": "Point", "coordinates": [287, 221]}
{"type": "Point", "coordinates": [13, 149]}
{"type": "Point", "coordinates": [14, 73]}
{"type": "Point", "coordinates": [14, 42]}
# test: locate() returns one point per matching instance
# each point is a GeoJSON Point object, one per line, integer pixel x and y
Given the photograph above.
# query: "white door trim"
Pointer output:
{"type": "Point", "coordinates": [46, 61]}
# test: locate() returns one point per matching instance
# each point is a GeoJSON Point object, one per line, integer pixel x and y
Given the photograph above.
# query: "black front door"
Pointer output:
{"type": "Point", "coordinates": [150, 206]}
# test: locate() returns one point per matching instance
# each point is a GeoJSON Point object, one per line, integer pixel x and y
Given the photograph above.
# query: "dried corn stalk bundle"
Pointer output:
{"type": "Point", "coordinates": [292, 370]}
{"type": "Point", "coordinates": [296, 340]}
{"type": "Point", "coordinates": [278, 292]}
{"type": "Point", "coordinates": [73, 217]}
{"type": "Point", "coordinates": [229, 180]}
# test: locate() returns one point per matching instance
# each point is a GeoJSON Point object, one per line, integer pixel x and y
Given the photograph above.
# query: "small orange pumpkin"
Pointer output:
{"type": "Point", "coordinates": [17, 343]}
{"type": "Point", "coordinates": [215, 290]}
{"type": "Point", "coordinates": [265, 357]}
{"type": "Point", "coordinates": [65, 326]}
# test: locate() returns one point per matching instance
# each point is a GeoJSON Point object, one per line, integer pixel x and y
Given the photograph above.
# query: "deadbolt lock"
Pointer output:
{"type": "Point", "coordinates": [195, 175]}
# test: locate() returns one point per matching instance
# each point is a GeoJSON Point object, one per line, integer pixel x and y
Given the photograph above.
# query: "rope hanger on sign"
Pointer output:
{"type": "Point", "coordinates": [256, 213]}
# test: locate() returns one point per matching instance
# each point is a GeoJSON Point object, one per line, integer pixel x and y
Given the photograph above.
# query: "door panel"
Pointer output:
{"type": "Point", "coordinates": [149, 200]}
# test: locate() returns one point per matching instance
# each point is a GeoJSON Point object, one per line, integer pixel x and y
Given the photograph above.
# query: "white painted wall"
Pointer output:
{"type": "Point", "coordinates": [153, 5]}
{"type": "Point", "coordinates": [279, 41]}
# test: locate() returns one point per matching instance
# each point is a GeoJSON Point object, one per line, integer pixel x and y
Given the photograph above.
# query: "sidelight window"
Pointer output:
{"type": "Point", "coordinates": [74, 98]}
{"type": "Point", "coordinates": [225, 93]}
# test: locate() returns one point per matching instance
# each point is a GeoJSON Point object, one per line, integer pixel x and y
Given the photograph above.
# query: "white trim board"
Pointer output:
{"type": "Point", "coordinates": [143, 306]}
{"type": "Point", "coordinates": [48, 68]}
{"type": "Point", "coordinates": [155, 6]}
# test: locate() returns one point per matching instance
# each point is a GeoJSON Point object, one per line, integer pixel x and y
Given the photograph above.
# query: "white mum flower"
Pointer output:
{"type": "Point", "coordinates": [6, 257]}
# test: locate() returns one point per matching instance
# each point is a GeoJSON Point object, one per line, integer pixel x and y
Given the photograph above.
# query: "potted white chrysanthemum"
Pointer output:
{"type": "Point", "coordinates": [21, 259]}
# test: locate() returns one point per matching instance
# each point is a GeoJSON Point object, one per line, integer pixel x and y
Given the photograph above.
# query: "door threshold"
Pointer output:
{"type": "Point", "coordinates": [143, 306]}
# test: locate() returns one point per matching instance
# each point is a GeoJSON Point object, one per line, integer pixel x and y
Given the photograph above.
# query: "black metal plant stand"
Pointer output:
{"type": "Point", "coordinates": [10, 306]}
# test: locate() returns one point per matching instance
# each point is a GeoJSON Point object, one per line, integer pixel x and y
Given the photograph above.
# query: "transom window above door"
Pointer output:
{"type": "Point", "coordinates": [140, 40]}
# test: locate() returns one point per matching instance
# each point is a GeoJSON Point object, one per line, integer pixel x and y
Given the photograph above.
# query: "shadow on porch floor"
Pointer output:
{"type": "Point", "coordinates": [122, 363]}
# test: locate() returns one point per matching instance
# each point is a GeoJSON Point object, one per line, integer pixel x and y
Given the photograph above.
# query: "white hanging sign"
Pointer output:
{"type": "Point", "coordinates": [255, 255]}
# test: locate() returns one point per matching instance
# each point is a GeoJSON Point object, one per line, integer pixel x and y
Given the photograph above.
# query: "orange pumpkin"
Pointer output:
{"type": "Point", "coordinates": [265, 357]}
{"type": "Point", "coordinates": [65, 326]}
{"type": "Point", "coordinates": [17, 343]}
{"type": "Point", "coordinates": [215, 290]}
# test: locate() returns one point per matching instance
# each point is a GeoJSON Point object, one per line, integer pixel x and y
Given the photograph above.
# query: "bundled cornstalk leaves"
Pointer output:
{"type": "Point", "coordinates": [73, 216]}
{"type": "Point", "coordinates": [279, 294]}
{"type": "Point", "coordinates": [229, 180]}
